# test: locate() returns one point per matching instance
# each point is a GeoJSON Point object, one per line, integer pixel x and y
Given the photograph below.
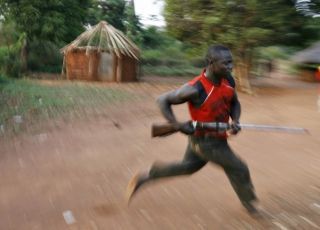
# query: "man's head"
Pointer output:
{"type": "Point", "coordinates": [219, 61]}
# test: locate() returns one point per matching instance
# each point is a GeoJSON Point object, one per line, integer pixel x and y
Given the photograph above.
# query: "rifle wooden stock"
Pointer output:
{"type": "Point", "coordinates": [164, 129]}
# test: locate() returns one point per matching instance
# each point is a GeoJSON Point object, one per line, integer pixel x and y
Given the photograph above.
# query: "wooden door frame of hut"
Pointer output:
{"type": "Point", "coordinates": [119, 68]}
{"type": "Point", "coordinates": [114, 66]}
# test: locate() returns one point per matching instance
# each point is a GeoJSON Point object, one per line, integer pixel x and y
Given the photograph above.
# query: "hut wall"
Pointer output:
{"type": "Point", "coordinates": [106, 70]}
{"type": "Point", "coordinates": [119, 70]}
{"type": "Point", "coordinates": [100, 66]}
{"type": "Point", "coordinates": [81, 66]}
{"type": "Point", "coordinates": [127, 69]}
{"type": "Point", "coordinates": [308, 75]}
{"type": "Point", "coordinates": [115, 67]}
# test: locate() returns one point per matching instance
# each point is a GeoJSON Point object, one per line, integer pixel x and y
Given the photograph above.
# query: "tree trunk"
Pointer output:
{"type": "Point", "coordinates": [23, 56]}
{"type": "Point", "coordinates": [242, 72]}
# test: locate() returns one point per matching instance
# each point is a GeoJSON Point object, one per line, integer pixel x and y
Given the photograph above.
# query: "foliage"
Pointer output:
{"type": "Point", "coordinates": [242, 25]}
{"type": "Point", "coordinates": [132, 24]}
{"type": "Point", "coordinates": [10, 64]}
{"type": "Point", "coordinates": [236, 23]}
{"type": "Point", "coordinates": [169, 57]}
{"type": "Point", "coordinates": [120, 14]}
{"type": "Point", "coordinates": [111, 11]}
{"type": "Point", "coordinates": [275, 52]}
{"type": "Point", "coordinates": [9, 34]}
{"type": "Point", "coordinates": [54, 20]}
{"type": "Point", "coordinates": [163, 70]}
{"type": "Point", "coordinates": [310, 8]}
{"type": "Point", "coordinates": [154, 38]}
{"type": "Point", "coordinates": [10, 46]}
{"type": "Point", "coordinates": [164, 55]}
{"type": "Point", "coordinates": [192, 25]}
{"type": "Point", "coordinates": [46, 26]}
{"type": "Point", "coordinates": [173, 51]}
{"type": "Point", "coordinates": [44, 56]}
{"type": "Point", "coordinates": [49, 25]}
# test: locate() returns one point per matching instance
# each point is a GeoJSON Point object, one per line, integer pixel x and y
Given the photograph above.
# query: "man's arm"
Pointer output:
{"type": "Point", "coordinates": [231, 81]}
{"type": "Point", "coordinates": [235, 114]}
{"type": "Point", "coordinates": [235, 108]}
{"type": "Point", "coordinates": [179, 96]}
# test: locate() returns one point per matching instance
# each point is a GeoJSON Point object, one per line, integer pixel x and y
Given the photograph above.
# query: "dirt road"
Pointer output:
{"type": "Point", "coordinates": [73, 175]}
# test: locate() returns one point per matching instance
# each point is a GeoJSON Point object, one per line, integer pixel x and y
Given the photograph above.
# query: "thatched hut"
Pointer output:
{"type": "Point", "coordinates": [102, 53]}
{"type": "Point", "coordinates": [308, 60]}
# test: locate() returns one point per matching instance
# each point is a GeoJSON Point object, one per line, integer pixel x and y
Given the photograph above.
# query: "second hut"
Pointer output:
{"type": "Point", "coordinates": [308, 61]}
{"type": "Point", "coordinates": [101, 53]}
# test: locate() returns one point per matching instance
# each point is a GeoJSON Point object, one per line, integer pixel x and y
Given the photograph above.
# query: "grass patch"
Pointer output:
{"type": "Point", "coordinates": [30, 100]}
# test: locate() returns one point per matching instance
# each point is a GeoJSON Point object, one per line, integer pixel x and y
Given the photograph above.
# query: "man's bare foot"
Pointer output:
{"type": "Point", "coordinates": [134, 184]}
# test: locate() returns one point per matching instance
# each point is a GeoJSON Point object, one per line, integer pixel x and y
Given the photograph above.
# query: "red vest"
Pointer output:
{"type": "Point", "coordinates": [216, 103]}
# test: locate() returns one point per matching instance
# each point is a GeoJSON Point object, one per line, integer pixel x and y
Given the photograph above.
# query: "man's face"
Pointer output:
{"type": "Point", "coordinates": [222, 64]}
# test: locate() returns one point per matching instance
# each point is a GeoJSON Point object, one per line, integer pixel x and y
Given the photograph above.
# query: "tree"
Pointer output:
{"type": "Point", "coordinates": [240, 24]}
{"type": "Point", "coordinates": [11, 43]}
{"type": "Point", "coordinates": [52, 21]}
{"type": "Point", "coordinates": [111, 11]}
{"type": "Point", "coordinates": [132, 24]}
{"type": "Point", "coordinates": [118, 13]}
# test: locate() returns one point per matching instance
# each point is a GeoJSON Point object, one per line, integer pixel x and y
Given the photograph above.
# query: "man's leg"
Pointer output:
{"type": "Point", "coordinates": [239, 176]}
{"type": "Point", "coordinates": [190, 164]}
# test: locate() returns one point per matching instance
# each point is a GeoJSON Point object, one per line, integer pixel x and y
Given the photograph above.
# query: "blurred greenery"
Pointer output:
{"type": "Point", "coordinates": [242, 25]}
{"type": "Point", "coordinates": [275, 52]}
{"type": "Point", "coordinates": [34, 31]}
{"type": "Point", "coordinates": [112, 11]}
{"type": "Point", "coordinates": [45, 26]}
{"type": "Point", "coordinates": [44, 56]}
{"type": "Point", "coordinates": [56, 21]}
{"type": "Point", "coordinates": [163, 55]}
{"type": "Point", "coordinates": [10, 63]}
{"type": "Point", "coordinates": [162, 70]}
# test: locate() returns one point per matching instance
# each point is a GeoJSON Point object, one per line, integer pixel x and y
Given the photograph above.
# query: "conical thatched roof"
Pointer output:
{"type": "Point", "coordinates": [105, 38]}
{"type": "Point", "coordinates": [309, 55]}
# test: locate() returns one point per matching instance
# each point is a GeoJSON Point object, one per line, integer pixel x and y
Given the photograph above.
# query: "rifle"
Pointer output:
{"type": "Point", "coordinates": [165, 129]}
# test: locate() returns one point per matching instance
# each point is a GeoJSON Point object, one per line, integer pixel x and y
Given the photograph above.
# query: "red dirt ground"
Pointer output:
{"type": "Point", "coordinates": [84, 165]}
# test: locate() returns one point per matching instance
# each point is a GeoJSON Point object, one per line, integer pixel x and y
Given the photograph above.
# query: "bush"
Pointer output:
{"type": "Point", "coordinates": [10, 62]}
{"type": "Point", "coordinates": [275, 52]}
{"type": "Point", "coordinates": [44, 56]}
{"type": "Point", "coordinates": [3, 80]}
{"type": "Point", "coordinates": [4, 53]}
{"type": "Point", "coordinates": [198, 62]}
{"type": "Point", "coordinates": [165, 56]}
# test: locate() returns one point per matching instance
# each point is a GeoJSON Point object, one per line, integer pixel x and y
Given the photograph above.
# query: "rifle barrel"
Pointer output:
{"type": "Point", "coordinates": [273, 128]}
{"type": "Point", "coordinates": [225, 126]}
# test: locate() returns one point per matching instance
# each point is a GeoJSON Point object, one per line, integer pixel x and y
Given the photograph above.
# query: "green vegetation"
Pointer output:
{"type": "Point", "coordinates": [170, 61]}
{"type": "Point", "coordinates": [38, 100]}
{"type": "Point", "coordinates": [37, 29]}
{"type": "Point", "coordinates": [163, 55]}
{"type": "Point", "coordinates": [242, 25]}
{"type": "Point", "coordinates": [191, 27]}
{"type": "Point", "coordinates": [275, 52]}
{"type": "Point", "coordinates": [171, 71]}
